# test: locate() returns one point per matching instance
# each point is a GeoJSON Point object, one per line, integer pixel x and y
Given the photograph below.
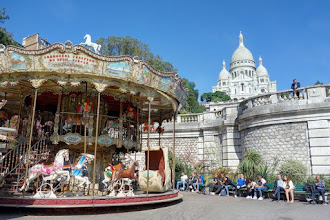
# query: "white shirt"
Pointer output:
{"type": "Point", "coordinates": [291, 186]}
{"type": "Point", "coordinates": [184, 178]}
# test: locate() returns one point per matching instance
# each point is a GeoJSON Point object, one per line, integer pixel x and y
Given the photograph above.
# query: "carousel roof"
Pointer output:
{"type": "Point", "coordinates": [61, 68]}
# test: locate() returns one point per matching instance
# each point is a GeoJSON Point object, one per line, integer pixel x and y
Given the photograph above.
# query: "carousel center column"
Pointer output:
{"type": "Point", "coordinates": [100, 88]}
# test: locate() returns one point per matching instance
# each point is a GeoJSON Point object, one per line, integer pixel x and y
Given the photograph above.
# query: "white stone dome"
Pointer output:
{"type": "Point", "coordinates": [224, 74]}
{"type": "Point", "coordinates": [241, 53]}
{"type": "Point", "coordinates": [261, 70]}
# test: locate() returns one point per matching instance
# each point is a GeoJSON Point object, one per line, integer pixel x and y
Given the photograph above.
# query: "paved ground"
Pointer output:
{"type": "Point", "coordinates": [193, 206]}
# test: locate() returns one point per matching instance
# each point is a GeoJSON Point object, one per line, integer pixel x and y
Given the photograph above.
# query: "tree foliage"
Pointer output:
{"type": "Point", "coordinates": [192, 105]}
{"type": "Point", "coordinates": [318, 83]}
{"type": "Point", "coordinates": [5, 37]}
{"type": "Point", "coordinates": [215, 97]}
{"type": "Point", "coordinates": [117, 46]}
{"type": "Point", "coordinates": [295, 170]}
{"type": "Point", "coordinates": [251, 165]}
{"type": "Point", "coordinates": [3, 16]}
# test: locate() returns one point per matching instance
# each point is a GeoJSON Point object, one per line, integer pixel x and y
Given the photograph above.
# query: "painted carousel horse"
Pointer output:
{"type": "Point", "coordinates": [68, 123]}
{"type": "Point", "coordinates": [51, 172]}
{"type": "Point", "coordinates": [117, 176]}
{"type": "Point", "coordinates": [80, 169]}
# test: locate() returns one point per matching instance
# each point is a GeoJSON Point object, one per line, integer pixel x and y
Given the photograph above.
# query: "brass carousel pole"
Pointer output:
{"type": "Point", "coordinates": [85, 125]}
{"type": "Point", "coordinates": [148, 144]}
{"type": "Point", "coordinates": [137, 126]}
{"type": "Point", "coordinates": [96, 137]}
{"type": "Point", "coordinates": [173, 150]}
{"type": "Point", "coordinates": [31, 133]}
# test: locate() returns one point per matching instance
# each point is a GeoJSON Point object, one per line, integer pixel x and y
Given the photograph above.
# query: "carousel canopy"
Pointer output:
{"type": "Point", "coordinates": [61, 68]}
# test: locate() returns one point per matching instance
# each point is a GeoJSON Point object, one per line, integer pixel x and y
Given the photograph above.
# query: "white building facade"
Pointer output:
{"type": "Point", "coordinates": [243, 79]}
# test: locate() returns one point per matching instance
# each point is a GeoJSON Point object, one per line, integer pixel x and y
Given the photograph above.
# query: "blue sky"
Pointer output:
{"type": "Point", "coordinates": [293, 37]}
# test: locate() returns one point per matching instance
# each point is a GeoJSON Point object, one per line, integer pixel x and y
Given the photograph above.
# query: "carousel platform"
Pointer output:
{"type": "Point", "coordinates": [90, 201]}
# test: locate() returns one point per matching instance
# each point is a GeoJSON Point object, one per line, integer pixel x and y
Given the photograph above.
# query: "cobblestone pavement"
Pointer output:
{"type": "Point", "coordinates": [193, 206]}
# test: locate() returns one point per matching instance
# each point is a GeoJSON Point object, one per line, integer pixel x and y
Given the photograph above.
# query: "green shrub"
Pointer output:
{"type": "Point", "coordinates": [251, 164]}
{"type": "Point", "coordinates": [295, 170]}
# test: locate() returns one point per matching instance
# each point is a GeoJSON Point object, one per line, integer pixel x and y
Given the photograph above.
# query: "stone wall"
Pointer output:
{"type": "Point", "coordinates": [279, 142]}
{"type": "Point", "coordinates": [185, 147]}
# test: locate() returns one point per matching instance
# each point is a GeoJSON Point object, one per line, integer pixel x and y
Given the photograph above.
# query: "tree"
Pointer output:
{"type": "Point", "coordinates": [3, 16]}
{"type": "Point", "coordinates": [215, 97]}
{"type": "Point", "coordinates": [5, 37]}
{"type": "Point", "coordinates": [318, 83]}
{"type": "Point", "coordinates": [251, 165]}
{"type": "Point", "coordinates": [192, 105]}
{"type": "Point", "coordinates": [116, 46]}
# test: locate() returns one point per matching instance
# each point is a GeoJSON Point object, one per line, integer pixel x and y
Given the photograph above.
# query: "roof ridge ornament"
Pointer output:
{"type": "Point", "coordinates": [88, 42]}
{"type": "Point", "coordinates": [260, 61]}
{"type": "Point", "coordinates": [240, 39]}
{"type": "Point", "coordinates": [223, 64]}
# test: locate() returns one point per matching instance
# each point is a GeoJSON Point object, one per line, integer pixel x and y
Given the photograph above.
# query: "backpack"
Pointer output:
{"type": "Point", "coordinates": [309, 187]}
{"type": "Point", "coordinates": [266, 185]}
{"type": "Point", "coordinates": [223, 192]}
{"type": "Point", "coordinates": [206, 191]}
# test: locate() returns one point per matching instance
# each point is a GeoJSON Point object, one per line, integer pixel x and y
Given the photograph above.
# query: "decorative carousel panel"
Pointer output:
{"type": "Point", "coordinates": [68, 61]}
{"type": "Point", "coordinates": [72, 138]}
{"type": "Point", "coordinates": [105, 141]}
{"type": "Point", "coordinates": [118, 69]}
{"type": "Point", "coordinates": [19, 62]}
{"type": "Point", "coordinates": [128, 144]}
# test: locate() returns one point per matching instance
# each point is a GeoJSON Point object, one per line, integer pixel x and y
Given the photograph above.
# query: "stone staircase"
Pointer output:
{"type": "Point", "coordinates": [13, 164]}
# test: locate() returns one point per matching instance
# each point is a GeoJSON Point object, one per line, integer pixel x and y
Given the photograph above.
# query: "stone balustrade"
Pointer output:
{"type": "Point", "coordinates": [197, 117]}
{"type": "Point", "coordinates": [305, 93]}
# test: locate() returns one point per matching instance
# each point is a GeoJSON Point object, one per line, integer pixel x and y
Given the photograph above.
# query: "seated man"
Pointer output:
{"type": "Point", "coordinates": [261, 185]}
{"type": "Point", "coordinates": [200, 181]}
{"type": "Point", "coordinates": [278, 186]}
{"type": "Point", "coordinates": [183, 181]}
{"type": "Point", "coordinates": [250, 187]}
{"type": "Point", "coordinates": [319, 188]}
{"type": "Point", "coordinates": [241, 181]}
{"type": "Point", "coordinates": [214, 184]}
{"type": "Point", "coordinates": [192, 181]}
{"type": "Point", "coordinates": [228, 184]}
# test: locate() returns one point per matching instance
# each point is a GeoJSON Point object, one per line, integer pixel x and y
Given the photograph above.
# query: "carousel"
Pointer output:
{"type": "Point", "coordinates": [71, 125]}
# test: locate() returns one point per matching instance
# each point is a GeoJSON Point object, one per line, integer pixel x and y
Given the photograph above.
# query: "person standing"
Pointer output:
{"type": "Point", "coordinates": [288, 187]}
{"type": "Point", "coordinates": [319, 188]}
{"type": "Point", "coordinates": [278, 186]}
{"type": "Point", "coordinates": [183, 181]}
{"type": "Point", "coordinates": [295, 85]}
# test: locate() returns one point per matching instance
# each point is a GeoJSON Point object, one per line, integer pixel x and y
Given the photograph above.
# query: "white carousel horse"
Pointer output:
{"type": "Point", "coordinates": [80, 168]}
{"type": "Point", "coordinates": [96, 47]}
{"type": "Point", "coordinates": [3, 103]}
{"type": "Point", "coordinates": [68, 123]}
{"type": "Point", "coordinates": [51, 172]}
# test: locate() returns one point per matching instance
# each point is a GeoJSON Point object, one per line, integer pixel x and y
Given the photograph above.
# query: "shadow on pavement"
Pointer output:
{"type": "Point", "coordinates": [11, 213]}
